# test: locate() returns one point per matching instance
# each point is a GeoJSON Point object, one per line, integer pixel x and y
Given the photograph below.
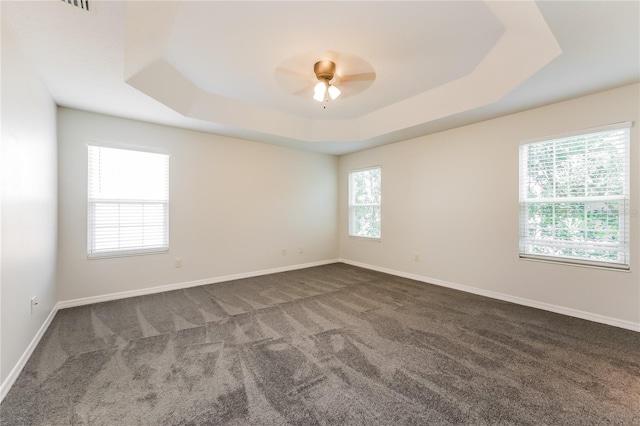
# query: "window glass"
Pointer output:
{"type": "Point", "coordinates": [128, 202]}
{"type": "Point", "coordinates": [574, 198]}
{"type": "Point", "coordinates": [365, 194]}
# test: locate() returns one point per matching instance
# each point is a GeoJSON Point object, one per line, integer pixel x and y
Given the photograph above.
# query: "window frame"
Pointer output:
{"type": "Point", "coordinates": [164, 248]}
{"type": "Point", "coordinates": [352, 207]}
{"type": "Point", "coordinates": [623, 201]}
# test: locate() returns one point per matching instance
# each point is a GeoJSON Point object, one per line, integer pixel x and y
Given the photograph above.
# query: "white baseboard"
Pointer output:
{"type": "Point", "coordinates": [178, 286]}
{"type": "Point", "coordinates": [505, 297]}
{"type": "Point", "coordinates": [15, 372]}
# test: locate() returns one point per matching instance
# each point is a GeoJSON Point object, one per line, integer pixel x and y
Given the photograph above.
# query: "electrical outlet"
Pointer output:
{"type": "Point", "coordinates": [34, 304]}
{"type": "Point", "coordinates": [635, 212]}
{"type": "Point", "coordinates": [301, 249]}
{"type": "Point", "coordinates": [416, 258]}
{"type": "Point", "coordinates": [284, 252]}
{"type": "Point", "coordinates": [178, 263]}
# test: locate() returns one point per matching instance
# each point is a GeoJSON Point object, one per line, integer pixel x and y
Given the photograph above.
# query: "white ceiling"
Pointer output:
{"type": "Point", "coordinates": [245, 69]}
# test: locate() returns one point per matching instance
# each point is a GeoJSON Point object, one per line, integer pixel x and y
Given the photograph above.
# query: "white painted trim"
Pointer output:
{"type": "Point", "coordinates": [15, 372]}
{"type": "Point", "coordinates": [169, 287]}
{"type": "Point", "coordinates": [629, 325]}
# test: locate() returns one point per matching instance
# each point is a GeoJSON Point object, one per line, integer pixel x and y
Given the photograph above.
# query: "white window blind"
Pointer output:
{"type": "Point", "coordinates": [365, 194]}
{"type": "Point", "coordinates": [574, 198]}
{"type": "Point", "coordinates": [128, 202]}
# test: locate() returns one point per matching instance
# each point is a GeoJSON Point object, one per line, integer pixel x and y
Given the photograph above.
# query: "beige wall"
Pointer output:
{"type": "Point", "coordinates": [234, 205]}
{"type": "Point", "coordinates": [452, 198]}
{"type": "Point", "coordinates": [29, 204]}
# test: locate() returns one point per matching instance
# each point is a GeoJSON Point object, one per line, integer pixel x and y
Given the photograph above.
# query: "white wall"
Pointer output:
{"type": "Point", "coordinates": [29, 204]}
{"type": "Point", "coordinates": [452, 198]}
{"type": "Point", "coordinates": [234, 205]}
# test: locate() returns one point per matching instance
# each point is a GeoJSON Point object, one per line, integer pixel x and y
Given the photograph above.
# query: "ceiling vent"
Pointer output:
{"type": "Point", "coordinates": [80, 4]}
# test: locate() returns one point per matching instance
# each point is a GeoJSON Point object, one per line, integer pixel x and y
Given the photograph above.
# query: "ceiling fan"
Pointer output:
{"type": "Point", "coordinates": [333, 75]}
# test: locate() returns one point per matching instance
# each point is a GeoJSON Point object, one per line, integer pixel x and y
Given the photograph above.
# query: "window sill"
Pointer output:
{"type": "Point", "coordinates": [113, 254]}
{"type": "Point", "coordinates": [576, 263]}
{"type": "Point", "coordinates": [369, 239]}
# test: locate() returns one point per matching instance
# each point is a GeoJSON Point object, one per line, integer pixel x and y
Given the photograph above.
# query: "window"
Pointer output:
{"type": "Point", "coordinates": [364, 202]}
{"type": "Point", "coordinates": [128, 202]}
{"type": "Point", "coordinates": [574, 198]}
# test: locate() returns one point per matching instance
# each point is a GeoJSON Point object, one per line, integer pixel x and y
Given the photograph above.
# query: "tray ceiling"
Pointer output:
{"type": "Point", "coordinates": [218, 66]}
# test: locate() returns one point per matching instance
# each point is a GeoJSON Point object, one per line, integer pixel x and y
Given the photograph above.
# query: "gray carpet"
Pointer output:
{"type": "Point", "coordinates": [331, 345]}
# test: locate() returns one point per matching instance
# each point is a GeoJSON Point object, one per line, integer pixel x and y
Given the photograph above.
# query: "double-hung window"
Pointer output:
{"type": "Point", "coordinates": [365, 194]}
{"type": "Point", "coordinates": [128, 202]}
{"type": "Point", "coordinates": [574, 198]}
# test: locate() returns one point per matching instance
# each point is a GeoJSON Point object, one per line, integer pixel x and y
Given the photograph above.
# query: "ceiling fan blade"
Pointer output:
{"type": "Point", "coordinates": [364, 76]}
{"type": "Point", "coordinates": [307, 89]}
{"type": "Point", "coordinates": [304, 75]}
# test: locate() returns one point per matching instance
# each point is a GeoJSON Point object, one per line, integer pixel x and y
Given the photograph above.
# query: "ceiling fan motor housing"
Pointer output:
{"type": "Point", "coordinates": [324, 70]}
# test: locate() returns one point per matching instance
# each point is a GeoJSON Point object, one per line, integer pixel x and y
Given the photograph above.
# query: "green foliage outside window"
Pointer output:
{"type": "Point", "coordinates": [574, 197]}
{"type": "Point", "coordinates": [364, 203]}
